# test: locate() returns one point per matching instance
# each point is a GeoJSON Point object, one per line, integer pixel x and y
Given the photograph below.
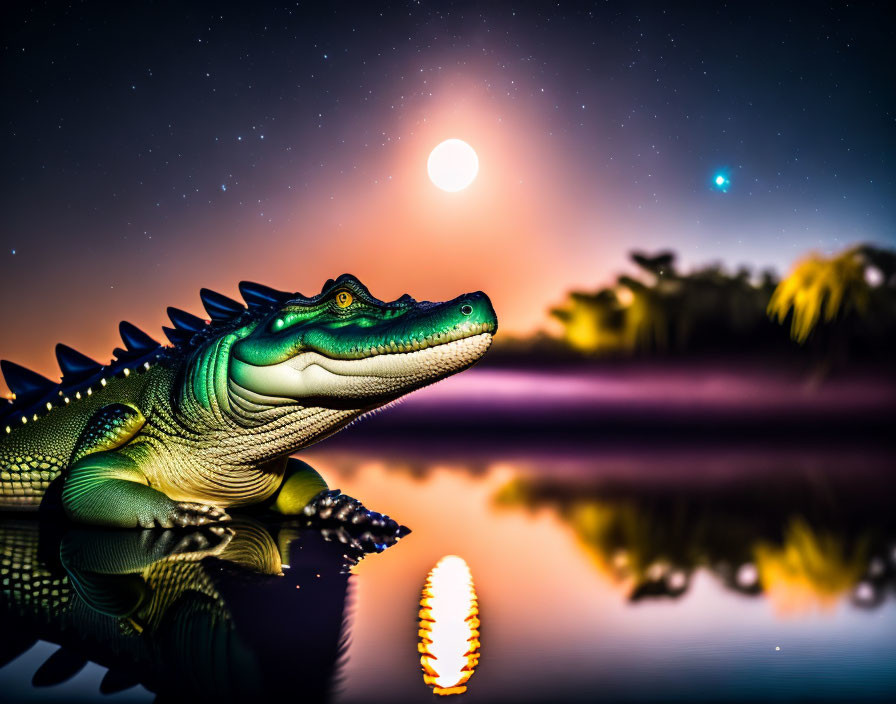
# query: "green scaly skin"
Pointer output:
{"type": "Point", "coordinates": [210, 423]}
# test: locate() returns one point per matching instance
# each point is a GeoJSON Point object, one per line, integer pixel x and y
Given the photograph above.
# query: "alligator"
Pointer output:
{"type": "Point", "coordinates": [250, 609]}
{"type": "Point", "coordinates": [175, 435]}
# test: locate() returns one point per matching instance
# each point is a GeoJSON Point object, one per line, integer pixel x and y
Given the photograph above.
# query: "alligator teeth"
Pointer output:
{"type": "Point", "coordinates": [416, 344]}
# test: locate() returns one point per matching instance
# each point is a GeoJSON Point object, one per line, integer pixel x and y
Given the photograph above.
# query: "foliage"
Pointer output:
{"type": "Point", "coordinates": [660, 311]}
{"type": "Point", "coordinates": [833, 286]}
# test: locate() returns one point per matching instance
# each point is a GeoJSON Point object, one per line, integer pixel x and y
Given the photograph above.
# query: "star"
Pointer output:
{"type": "Point", "coordinates": [721, 182]}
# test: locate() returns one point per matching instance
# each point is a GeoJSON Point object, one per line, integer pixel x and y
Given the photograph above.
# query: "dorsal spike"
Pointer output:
{"type": "Point", "coordinates": [135, 339]}
{"type": "Point", "coordinates": [261, 296]}
{"type": "Point", "coordinates": [220, 307]}
{"type": "Point", "coordinates": [184, 320]}
{"type": "Point", "coordinates": [177, 336]}
{"type": "Point", "coordinates": [23, 382]}
{"type": "Point", "coordinates": [74, 365]}
{"type": "Point", "coordinates": [406, 298]}
{"type": "Point", "coordinates": [327, 285]}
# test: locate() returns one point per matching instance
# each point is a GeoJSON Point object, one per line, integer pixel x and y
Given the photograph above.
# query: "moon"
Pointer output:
{"type": "Point", "coordinates": [453, 165]}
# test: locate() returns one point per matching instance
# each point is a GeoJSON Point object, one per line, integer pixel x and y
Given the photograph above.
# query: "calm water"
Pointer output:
{"type": "Point", "coordinates": [627, 571]}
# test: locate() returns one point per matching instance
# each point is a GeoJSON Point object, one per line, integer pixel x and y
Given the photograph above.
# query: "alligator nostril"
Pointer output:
{"type": "Point", "coordinates": [466, 309]}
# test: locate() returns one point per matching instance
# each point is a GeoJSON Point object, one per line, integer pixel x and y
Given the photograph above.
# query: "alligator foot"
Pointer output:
{"type": "Point", "coordinates": [191, 514]}
{"type": "Point", "coordinates": [182, 514]}
{"type": "Point", "coordinates": [346, 519]}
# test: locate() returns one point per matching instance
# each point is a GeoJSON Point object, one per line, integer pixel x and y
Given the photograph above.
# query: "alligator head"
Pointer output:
{"type": "Point", "coordinates": [346, 349]}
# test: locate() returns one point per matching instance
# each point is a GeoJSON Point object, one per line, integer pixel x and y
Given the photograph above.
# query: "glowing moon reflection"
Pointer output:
{"type": "Point", "coordinates": [449, 627]}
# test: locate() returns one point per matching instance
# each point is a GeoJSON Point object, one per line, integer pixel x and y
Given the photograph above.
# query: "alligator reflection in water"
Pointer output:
{"type": "Point", "coordinates": [251, 610]}
{"type": "Point", "coordinates": [804, 542]}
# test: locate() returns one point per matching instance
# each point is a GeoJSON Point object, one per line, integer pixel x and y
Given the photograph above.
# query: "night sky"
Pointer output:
{"type": "Point", "coordinates": [149, 152]}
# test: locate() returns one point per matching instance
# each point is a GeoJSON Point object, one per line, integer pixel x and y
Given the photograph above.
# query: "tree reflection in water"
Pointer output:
{"type": "Point", "coordinates": [801, 542]}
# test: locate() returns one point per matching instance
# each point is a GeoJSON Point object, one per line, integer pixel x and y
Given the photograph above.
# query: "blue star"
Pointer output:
{"type": "Point", "coordinates": [721, 182]}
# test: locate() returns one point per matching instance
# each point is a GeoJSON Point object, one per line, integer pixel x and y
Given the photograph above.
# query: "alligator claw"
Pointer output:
{"type": "Point", "coordinates": [193, 514]}
{"type": "Point", "coordinates": [346, 520]}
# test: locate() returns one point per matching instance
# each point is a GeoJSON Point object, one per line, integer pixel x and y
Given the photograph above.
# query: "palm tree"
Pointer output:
{"type": "Point", "coordinates": [660, 264]}
{"type": "Point", "coordinates": [834, 287]}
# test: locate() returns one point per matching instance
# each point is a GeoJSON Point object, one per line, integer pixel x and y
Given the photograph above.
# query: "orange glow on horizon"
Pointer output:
{"type": "Point", "coordinates": [370, 210]}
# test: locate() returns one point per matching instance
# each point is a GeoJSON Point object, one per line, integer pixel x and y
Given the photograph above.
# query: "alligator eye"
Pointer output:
{"type": "Point", "coordinates": [466, 310]}
{"type": "Point", "coordinates": [344, 299]}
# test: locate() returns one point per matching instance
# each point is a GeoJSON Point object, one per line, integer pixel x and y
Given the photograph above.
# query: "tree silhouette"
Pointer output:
{"type": "Point", "coordinates": [845, 303]}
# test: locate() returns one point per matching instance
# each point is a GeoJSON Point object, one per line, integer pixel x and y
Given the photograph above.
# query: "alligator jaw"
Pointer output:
{"type": "Point", "coordinates": [312, 375]}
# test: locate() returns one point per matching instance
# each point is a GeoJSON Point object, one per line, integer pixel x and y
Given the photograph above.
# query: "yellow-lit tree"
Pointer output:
{"type": "Point", "coordinates": [844, 303]}
{"type": "Point", "coordinates": [592, 323]}
{"type": "Point", "coordinates": [822, 287]}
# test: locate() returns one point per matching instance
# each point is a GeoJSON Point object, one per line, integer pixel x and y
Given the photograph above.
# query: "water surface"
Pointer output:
{"type": "Point", "coordinates": [636, 569]}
